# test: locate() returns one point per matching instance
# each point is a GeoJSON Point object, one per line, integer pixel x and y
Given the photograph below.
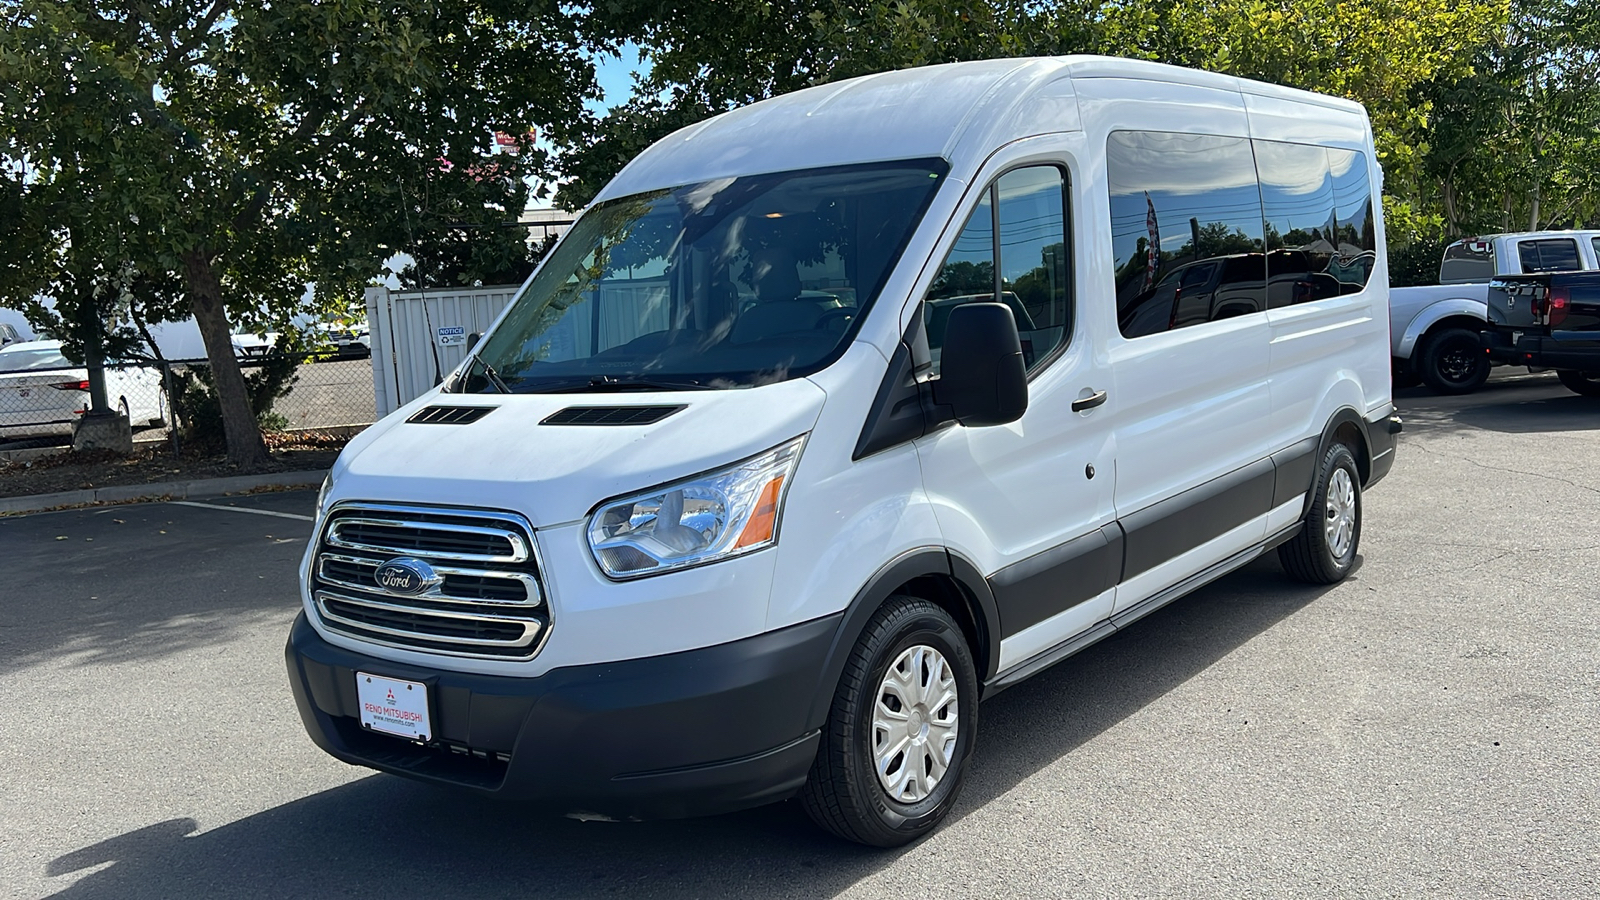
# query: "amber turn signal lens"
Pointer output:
{"type": "Point", "coordinates": [765, 518]}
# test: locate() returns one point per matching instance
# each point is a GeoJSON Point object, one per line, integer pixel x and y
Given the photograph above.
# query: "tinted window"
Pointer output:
{"type": "Point", "coordinates": [1301, 232]}
{"type": "Point", "coordinates": [1033, 275]}
{"type": "Point", "coordinates": [1186, 230]}
{"type": "Point", "coordinates": [1467, 262]}
{"type": "Point", "coordinates": [1551, 255]}
{"type": "Point", "coordinates": [1355, 226]}
{"type": "Point", "coordinates": [1597, 246]}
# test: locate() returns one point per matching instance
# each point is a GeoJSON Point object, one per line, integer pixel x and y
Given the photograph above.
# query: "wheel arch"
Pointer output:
{"type": "Point", "coordinates": [1459, 312]}
{"type": "Point", "coordinates": [1345, 426]}
{"type": "Point", "coordinates": [934, 574]}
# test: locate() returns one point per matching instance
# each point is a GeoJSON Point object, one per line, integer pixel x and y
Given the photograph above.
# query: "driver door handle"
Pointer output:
{"type": "Point", "coordinates": [1089, 402]}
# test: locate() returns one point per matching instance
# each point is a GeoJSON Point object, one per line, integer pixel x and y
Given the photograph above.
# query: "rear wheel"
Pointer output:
{"type": "Point", "coordinates": [1324, 551]}
{"type": "Point", "coordinates": [900, 730]}
{"type": "Point", "coordinates": [1585, 383]}
{"type": "Point", "coordinates": [1452, 361]}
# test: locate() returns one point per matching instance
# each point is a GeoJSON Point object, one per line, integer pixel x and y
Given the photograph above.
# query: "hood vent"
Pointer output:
{"type": "Point", "coordinates": [450, 415]}
{"type": "Point", "coordinates": [610, 415]}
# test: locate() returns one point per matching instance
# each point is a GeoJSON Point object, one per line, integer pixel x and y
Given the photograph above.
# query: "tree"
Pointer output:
{"type": "Point", "coordinates": [1515, 143]}
{"type": "Point", "coordinates": [710, 57]}
{"type": "Point", "coordinates": [246, 150]}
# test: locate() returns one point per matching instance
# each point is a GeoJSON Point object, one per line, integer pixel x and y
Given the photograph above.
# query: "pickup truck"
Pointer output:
{"type": "Point", "coordinates": [1549, 321]}
{"type": "Point", "coordinates": [1434, 329]}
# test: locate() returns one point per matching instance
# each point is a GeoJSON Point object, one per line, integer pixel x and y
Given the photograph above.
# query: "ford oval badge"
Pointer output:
{"type": "Point", "coordinates": [406, 575]}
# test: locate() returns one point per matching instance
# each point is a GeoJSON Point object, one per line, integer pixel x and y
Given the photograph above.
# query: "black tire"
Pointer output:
{"type": "Point", "coordinates": [1310, 556]}
{"type": "Point", "coordinates": [843, 793]}
{"type": "Point", "coordinates": [1452, 361]}
{"type": "Point", "coordinates": [1585, 383]}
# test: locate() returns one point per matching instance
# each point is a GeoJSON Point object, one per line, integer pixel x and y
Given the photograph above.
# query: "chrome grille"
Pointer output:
{"type": "Point", "coordinates": [487, 603]}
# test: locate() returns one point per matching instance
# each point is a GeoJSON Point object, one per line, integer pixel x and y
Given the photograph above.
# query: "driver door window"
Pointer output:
{"type": "Point", "coordinates": [1021, 223]}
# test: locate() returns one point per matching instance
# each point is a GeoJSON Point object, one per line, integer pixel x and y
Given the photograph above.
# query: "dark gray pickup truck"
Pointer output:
{"type": "Point", "coordinates": [1548, 321]}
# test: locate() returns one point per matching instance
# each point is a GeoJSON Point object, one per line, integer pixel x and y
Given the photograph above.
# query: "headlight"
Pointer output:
{"type": "Point", "coordinates": [322, 495]}
{"type": "Point", "coordinates": [703, 519]}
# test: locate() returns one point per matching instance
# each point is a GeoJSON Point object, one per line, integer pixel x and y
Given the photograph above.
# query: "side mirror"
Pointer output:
{"type": "Point", "coordinates": [472, 340]}
{"type": "Point", "coordinates": [981, 374]}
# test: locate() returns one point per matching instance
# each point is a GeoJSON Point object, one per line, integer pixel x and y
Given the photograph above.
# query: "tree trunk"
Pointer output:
{"type": "Point", "coordinates": [245, 447]}
{"type": "Point", "coordinates": [93, 334]}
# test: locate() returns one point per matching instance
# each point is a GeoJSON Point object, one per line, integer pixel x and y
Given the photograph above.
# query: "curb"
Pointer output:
{"type": "Point", "coordinates": [169, 490]}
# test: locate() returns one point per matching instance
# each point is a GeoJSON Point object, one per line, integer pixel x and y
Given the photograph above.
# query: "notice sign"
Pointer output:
{"type": "Point", "coordinates": [452, 336]}
{"type": "Point", "coordinates": [393, 706]}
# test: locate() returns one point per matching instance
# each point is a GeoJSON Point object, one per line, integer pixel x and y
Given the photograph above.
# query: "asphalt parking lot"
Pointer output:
{"type": "Point", "coordinates": [1427, 728]}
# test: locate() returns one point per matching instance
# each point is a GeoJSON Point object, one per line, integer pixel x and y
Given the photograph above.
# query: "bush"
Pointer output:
{"type": "Point", "coordinates": [1416, 263]}
{"type": "Point", "coordinates": [194, 399]}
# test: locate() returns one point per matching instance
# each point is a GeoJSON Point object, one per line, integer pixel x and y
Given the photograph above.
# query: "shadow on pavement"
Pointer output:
{"type": "Point", "coordinates": [123, 583]}
{"type": "Point", "coordinates": [384, 837]}
{"type": "Point", "coordinates": [1510, 404]}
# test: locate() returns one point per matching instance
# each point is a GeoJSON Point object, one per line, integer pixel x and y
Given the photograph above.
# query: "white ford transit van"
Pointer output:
{"type": "Point", "coordinates": [834, 415]}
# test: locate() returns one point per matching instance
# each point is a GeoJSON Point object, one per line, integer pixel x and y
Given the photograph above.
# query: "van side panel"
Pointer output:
{"type": "Point", "coordinates": [844, 518]}
{"type": "Point", "coordinates": [1190, 400]}
{"type": "Point", "coordinates": [1330, 352]}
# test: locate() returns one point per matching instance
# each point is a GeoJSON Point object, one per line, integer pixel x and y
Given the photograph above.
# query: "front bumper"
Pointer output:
{"type": "Point", "coordinates": [1542, 351]}
{"type": "Point", "coordinates": [693, 733]}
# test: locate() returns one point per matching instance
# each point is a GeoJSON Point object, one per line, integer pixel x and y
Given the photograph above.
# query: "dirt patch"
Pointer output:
{"type": "Point", "coordinates": [153, 465]}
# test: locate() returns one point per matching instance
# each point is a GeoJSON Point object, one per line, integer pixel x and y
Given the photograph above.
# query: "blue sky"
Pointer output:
{"type": "Point", "coordinates": [615, 74]}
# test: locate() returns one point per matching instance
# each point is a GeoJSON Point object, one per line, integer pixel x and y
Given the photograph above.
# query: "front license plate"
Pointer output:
{"type": "Point", "coordinates": [393, 706]}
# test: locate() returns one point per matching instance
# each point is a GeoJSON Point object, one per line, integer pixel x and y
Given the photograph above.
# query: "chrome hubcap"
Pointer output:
{"type": "Point", "coordinates": [1340, 524]}
{"type": "Point", "coordinates": [914, 720]}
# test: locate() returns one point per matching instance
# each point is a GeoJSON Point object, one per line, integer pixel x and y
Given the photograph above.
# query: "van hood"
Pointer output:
{"type": "Point", "coordinates": [552, 474]}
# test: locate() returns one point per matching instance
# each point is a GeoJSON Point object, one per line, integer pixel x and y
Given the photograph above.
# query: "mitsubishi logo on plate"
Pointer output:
{"type": "Point", "coordinates": [406, 575]}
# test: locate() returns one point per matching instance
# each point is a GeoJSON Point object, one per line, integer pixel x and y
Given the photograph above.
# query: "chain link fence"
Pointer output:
{"type": "Point", "coordinates": [40, 403]}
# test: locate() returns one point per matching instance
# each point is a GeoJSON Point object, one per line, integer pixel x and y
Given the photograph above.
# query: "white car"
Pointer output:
{"type": "Point", "coordinates": [352, 341]}
{"type": "Point", "coordinates": [40, 390]}
{"type": "Point", "coordinates": [253, 347]}
{"type": "Point", "coordinates": [653, 550]}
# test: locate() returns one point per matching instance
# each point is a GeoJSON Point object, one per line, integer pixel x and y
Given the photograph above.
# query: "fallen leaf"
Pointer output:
{"type": "Point", "coordinates": [61, 537]}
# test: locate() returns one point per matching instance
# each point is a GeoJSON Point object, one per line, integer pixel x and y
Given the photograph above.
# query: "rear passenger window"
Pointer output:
{"type": "Point", "coordinates": [1186, 230]}
{"type": "Point", "coordinates": [1467, 262]}
{"type": "Point", "coordinates": [1597, 247]}
{"type": "Point", "coordinates": [1356, 244]}
{"type": "Point", "coordinates": [1549, 255]}
{"type": "Point", "coordinates": [1301, 231]}
{"type": "Point", "coordinates": [1020, 221]}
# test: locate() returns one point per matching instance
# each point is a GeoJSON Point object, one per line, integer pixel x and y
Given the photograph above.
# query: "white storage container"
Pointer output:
{"type": "Point", "coordinates": [418, 337]}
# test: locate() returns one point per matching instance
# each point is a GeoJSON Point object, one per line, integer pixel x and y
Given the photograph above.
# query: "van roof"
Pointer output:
{"type": "Point", "coordinates": [958, 111]}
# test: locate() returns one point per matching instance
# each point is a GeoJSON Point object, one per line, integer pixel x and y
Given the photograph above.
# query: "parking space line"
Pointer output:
{"type": "Point", "coordinates": [243, 509]}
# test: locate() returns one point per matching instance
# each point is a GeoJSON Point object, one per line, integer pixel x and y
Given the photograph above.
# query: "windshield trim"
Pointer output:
{"type": "Point", "coordinates": [937, 167]}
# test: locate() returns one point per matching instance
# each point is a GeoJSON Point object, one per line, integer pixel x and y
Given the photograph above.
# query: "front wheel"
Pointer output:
{"type": "Point", "coordinates": [900, 730]}
{"type": "Point", "coordinates": [1585, 383]}
{"type": "Point", "coordinates": [1324, 551]}
{"type": "Point", "coordinates": [1453, 362]}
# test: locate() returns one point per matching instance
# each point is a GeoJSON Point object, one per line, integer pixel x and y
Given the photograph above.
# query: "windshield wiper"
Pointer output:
{"type": "Point", "coordinates": [595, 384]}
{"type": "Point", "coordinates": [494, 377]}
{"type": "Point", "coordinates": [631, 382]}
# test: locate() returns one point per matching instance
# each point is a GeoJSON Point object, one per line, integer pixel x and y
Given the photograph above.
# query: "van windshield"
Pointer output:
{"type": "Point", "coordinates": [721, 284]}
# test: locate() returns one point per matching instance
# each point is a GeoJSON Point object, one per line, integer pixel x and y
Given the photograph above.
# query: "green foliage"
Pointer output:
{"type": "Point", "coordinates": [194, 399]}
{"type": "Point", "coordinates": [1515, 142]}
{"type": "Point", "coordinates": [229, 153]}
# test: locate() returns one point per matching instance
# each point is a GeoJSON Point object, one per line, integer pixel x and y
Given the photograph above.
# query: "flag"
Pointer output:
{"type": "Point", "coordinates": [1153, 253]}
